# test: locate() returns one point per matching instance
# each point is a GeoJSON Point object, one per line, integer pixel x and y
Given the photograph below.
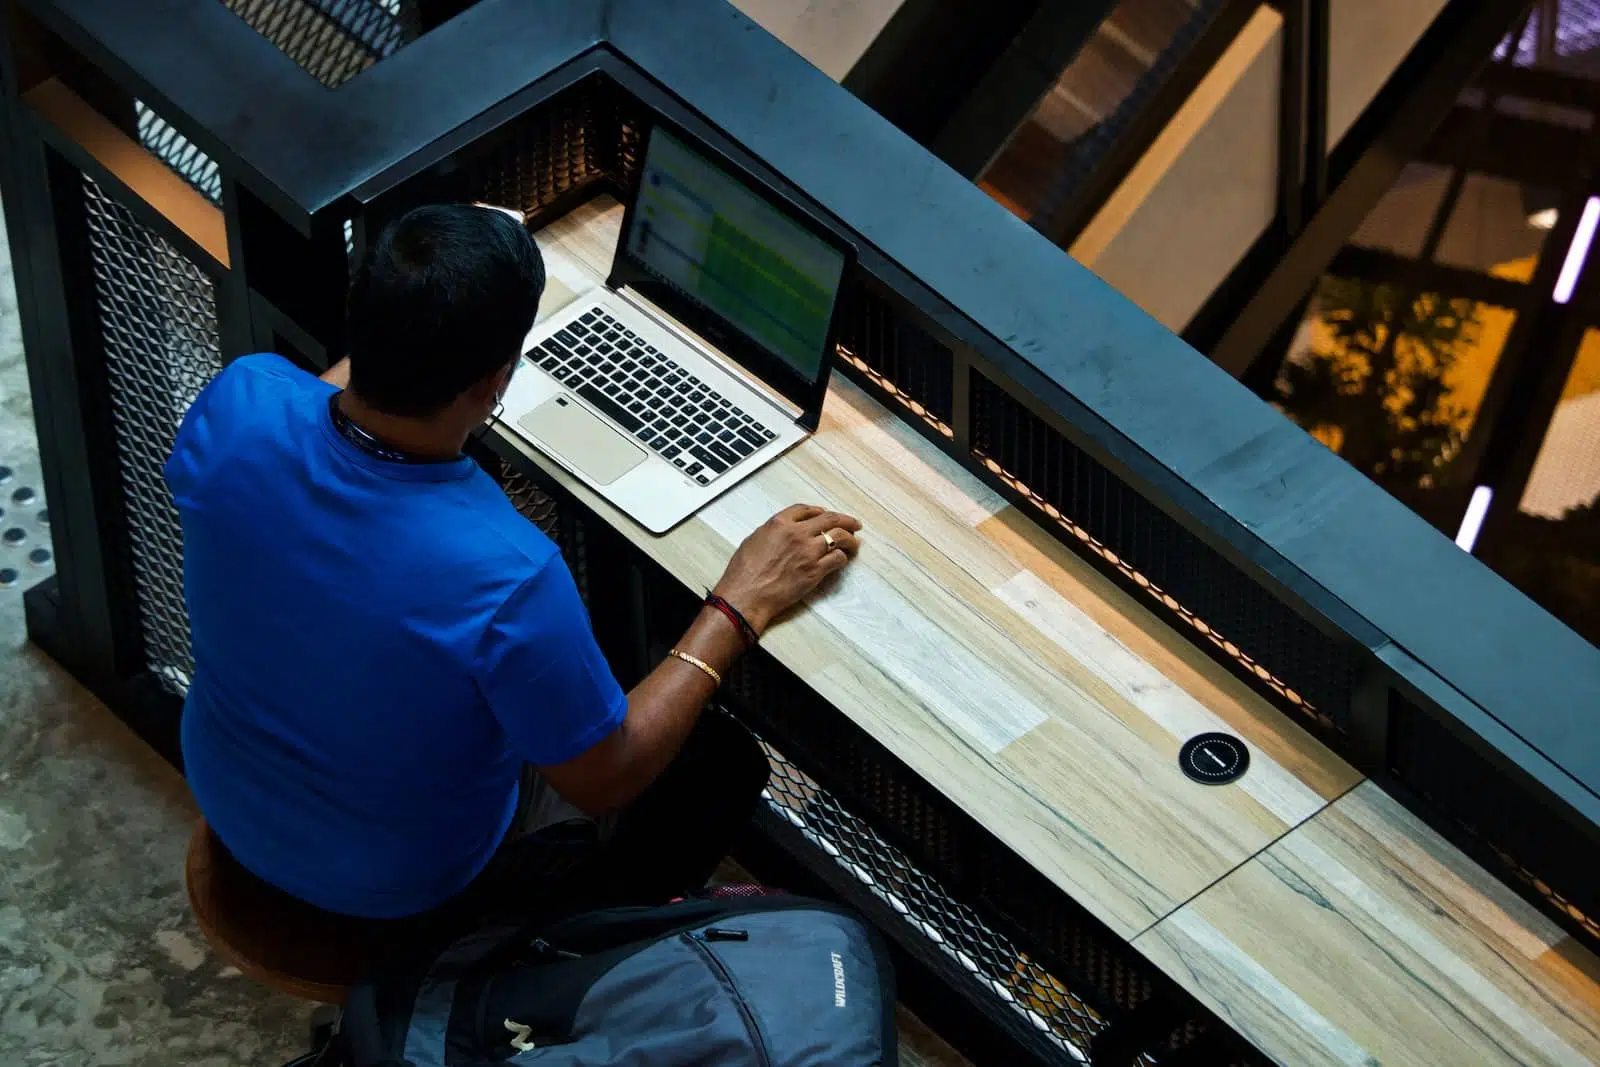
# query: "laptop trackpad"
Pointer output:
{"type": "Point", "coordinates": [579, 437]}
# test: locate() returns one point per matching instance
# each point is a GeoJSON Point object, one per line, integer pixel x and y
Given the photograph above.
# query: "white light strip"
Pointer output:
{"type": "Point", "coordinates": [1467, 536]}
{"type": "Point", "coordinates": [1578, 252]}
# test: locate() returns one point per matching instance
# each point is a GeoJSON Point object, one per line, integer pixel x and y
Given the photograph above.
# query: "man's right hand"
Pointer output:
{"type": "Point", "coordinates": [786, 558]}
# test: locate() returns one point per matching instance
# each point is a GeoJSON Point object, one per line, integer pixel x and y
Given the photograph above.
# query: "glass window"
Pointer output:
{"type": "Point", "coordinates": [1498, 228]}
{"type": "Point", "coordinates": [1391, 382]}
{"type": "Point", "coordinates": [1560, 35]}
{"type": "Point", "coordinates": [1550, 548]}
{"type": "Point", "coordinates": [1399, 223]}
{"type": "Point", "coordinates": [1566, 474]}
{"type": "Point", "coordinates": [1042, 154]}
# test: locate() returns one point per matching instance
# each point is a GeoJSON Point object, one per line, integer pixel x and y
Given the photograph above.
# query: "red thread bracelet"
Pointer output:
{"type": "Point", "coordinates": [732, 614]}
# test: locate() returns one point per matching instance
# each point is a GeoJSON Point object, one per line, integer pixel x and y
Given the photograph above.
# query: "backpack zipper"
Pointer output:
{"type": "Point", "coordinates": [545, 948]}
{"type": "Point", "coordinates": [697, 941]}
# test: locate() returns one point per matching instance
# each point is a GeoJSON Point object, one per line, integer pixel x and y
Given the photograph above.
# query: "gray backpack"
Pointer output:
{"type": "Point", "coordinates": [724, 981]}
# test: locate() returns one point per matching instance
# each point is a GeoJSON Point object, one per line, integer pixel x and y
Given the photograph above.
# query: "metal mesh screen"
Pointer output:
{"type": "Point", "coordinates": [901, 360]}
{"type": "Point", "coordinates": [332, 40]}
{"type": "Point", "coordinates": [992, 959]}
{"type": "Point", "coordinates": [897, 820]}
{"type": "Point", "coordinates": [1112, 523]}
{"type": "Point", "coordinates": [1201, 1042]}
{"type": "Point", "coordinates": [583, 136]}
{"type": "Point", "coordinates": [1545, 857]}
{"type": "Point", "coordinates": [175, 150]}
{"type": "Point", "coordinates": [537, 506]}
{"type": "Point", "coordinates": [1088, 151]}
{"type": "Point", "coordinates": [158, 325]}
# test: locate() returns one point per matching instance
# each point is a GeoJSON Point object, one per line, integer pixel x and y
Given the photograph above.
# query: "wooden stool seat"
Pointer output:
{"type": "Point", "coordinates": [269, 936]}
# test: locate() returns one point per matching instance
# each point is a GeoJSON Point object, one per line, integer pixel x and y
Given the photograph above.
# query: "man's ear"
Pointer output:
{"type": "Point", "coordinates": [490, 389]}
{"type": "Point", "coordinates": [502, 380]}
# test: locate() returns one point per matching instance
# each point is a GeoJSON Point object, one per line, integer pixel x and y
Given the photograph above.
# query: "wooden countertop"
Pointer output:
{"type": "Point", "coordinates": [998, 665]}
{"type": "Point", "coordinates": [1303, 905]}
{"type": "Point", "coordinates": [1363, 938]}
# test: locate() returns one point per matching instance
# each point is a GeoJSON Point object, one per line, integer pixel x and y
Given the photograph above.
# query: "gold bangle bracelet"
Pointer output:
{"type": "Point", "coordinates": [696, 661]}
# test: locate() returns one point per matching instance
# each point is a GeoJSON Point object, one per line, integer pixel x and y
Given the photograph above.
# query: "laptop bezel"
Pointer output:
{"type": "Point", "coordinates": [627, 271]}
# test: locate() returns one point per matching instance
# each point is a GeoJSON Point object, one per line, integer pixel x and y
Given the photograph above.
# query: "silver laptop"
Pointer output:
{"type": "Point", "coordinates": [705, 355]}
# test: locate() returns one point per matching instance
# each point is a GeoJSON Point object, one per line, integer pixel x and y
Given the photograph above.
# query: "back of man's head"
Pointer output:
{"type": "Point", "coordinates": [443, 300]}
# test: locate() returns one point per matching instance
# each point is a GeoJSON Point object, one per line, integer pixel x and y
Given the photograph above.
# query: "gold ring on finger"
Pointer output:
{"type": "Point", "coordinates": [827, 539]}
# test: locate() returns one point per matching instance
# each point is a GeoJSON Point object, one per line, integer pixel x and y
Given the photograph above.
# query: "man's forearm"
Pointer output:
{"type": "Point", "coordinates": [662, 710]}
{"type": "Point", "coordinates": [664, 707]}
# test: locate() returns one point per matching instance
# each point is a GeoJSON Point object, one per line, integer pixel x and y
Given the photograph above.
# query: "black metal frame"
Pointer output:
{"type": "Point", "coordinates": [1097, 422]}
{"type": "Point", "coordinates": [1556, 153]}
{"type": "Point", "coordinates": [1303, 118]}
{"type": "Point", "coordinates": [1239, 321]}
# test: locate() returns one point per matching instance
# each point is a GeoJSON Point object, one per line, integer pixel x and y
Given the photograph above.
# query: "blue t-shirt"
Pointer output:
{"type": "Point", "coordinates": [378, 647]}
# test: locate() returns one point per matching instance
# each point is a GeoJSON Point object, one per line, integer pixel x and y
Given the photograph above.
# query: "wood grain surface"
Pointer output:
{"type": "Point", "coordinates": [1364, 938]}
{"type": "Point", "coordinates": [1032, 692]}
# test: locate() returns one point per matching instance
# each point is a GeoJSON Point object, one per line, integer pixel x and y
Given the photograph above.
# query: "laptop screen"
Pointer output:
{"type": "Point", "coordinates": [730, 252]}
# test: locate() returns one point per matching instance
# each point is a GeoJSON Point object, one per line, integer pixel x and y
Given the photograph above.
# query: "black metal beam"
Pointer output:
{"type": "Point", "coordinates": [926, 61]}
{"type": "Point", "coordinates": [1542, 84]}
{"type": "Point", "coordinates": [1294, 88]}
{"type": "Point", "coordinates": [1505, 416]}
{"type": "Point", "coordinates": [1375, 265]}
{"type": "Point", "coordinates": [1319, 33]}
{"type": "Point", "coordinates": [1533, 153]}
{"type": "Point", "coordinates": [1249, 307]}
{"type": "Point", "coordinates": [1009, 91]}
{"type": "Point", "coordinates": [1303, 111]}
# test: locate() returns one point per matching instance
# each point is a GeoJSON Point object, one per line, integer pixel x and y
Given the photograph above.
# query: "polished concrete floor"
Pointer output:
{"type": "Point", "coordinates": [100, 962]}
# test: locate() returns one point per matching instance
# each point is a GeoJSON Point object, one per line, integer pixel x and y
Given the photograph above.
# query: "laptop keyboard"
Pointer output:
{"type": "Point", "coordinates": [663, 406]}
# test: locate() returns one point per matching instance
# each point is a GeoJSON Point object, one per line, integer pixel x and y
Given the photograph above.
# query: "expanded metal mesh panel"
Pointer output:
{"type": "Point", "coordinates": [332, 40]}
{"type": "Point", "coordinates": [535, 505]}
{"type": "Point", "coordinates": [631, 130]}
{"type": "Point", "coordinates": [903, 361]}
{"type": "Point", "coordinates": [992, 959]}
{"type": "Point", "coordinates": [581, 137]}
{"type": "Point", "coordinates": [1201, 1043]}
{"type": "Point", "coordinates": [175, 150]}
{"type": "Point", "coordinates": [158, 325]}
{"type": "Point", "coordinates": [900, 819]}
{"type": "Point", "coordinates": [1198, 589]}
{"type": "Point", "coordinates": [1093, 146]}
{"type": "Point", "coordinates": [1543, 856]}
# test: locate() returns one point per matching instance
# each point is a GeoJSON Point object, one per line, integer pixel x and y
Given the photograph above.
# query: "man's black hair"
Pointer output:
{"type": "Point", "coordinates": [444, 299]}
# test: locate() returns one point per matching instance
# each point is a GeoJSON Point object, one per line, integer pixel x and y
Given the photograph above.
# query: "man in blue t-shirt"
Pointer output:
{"type": "Point", "coordinates": [382, 642]}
